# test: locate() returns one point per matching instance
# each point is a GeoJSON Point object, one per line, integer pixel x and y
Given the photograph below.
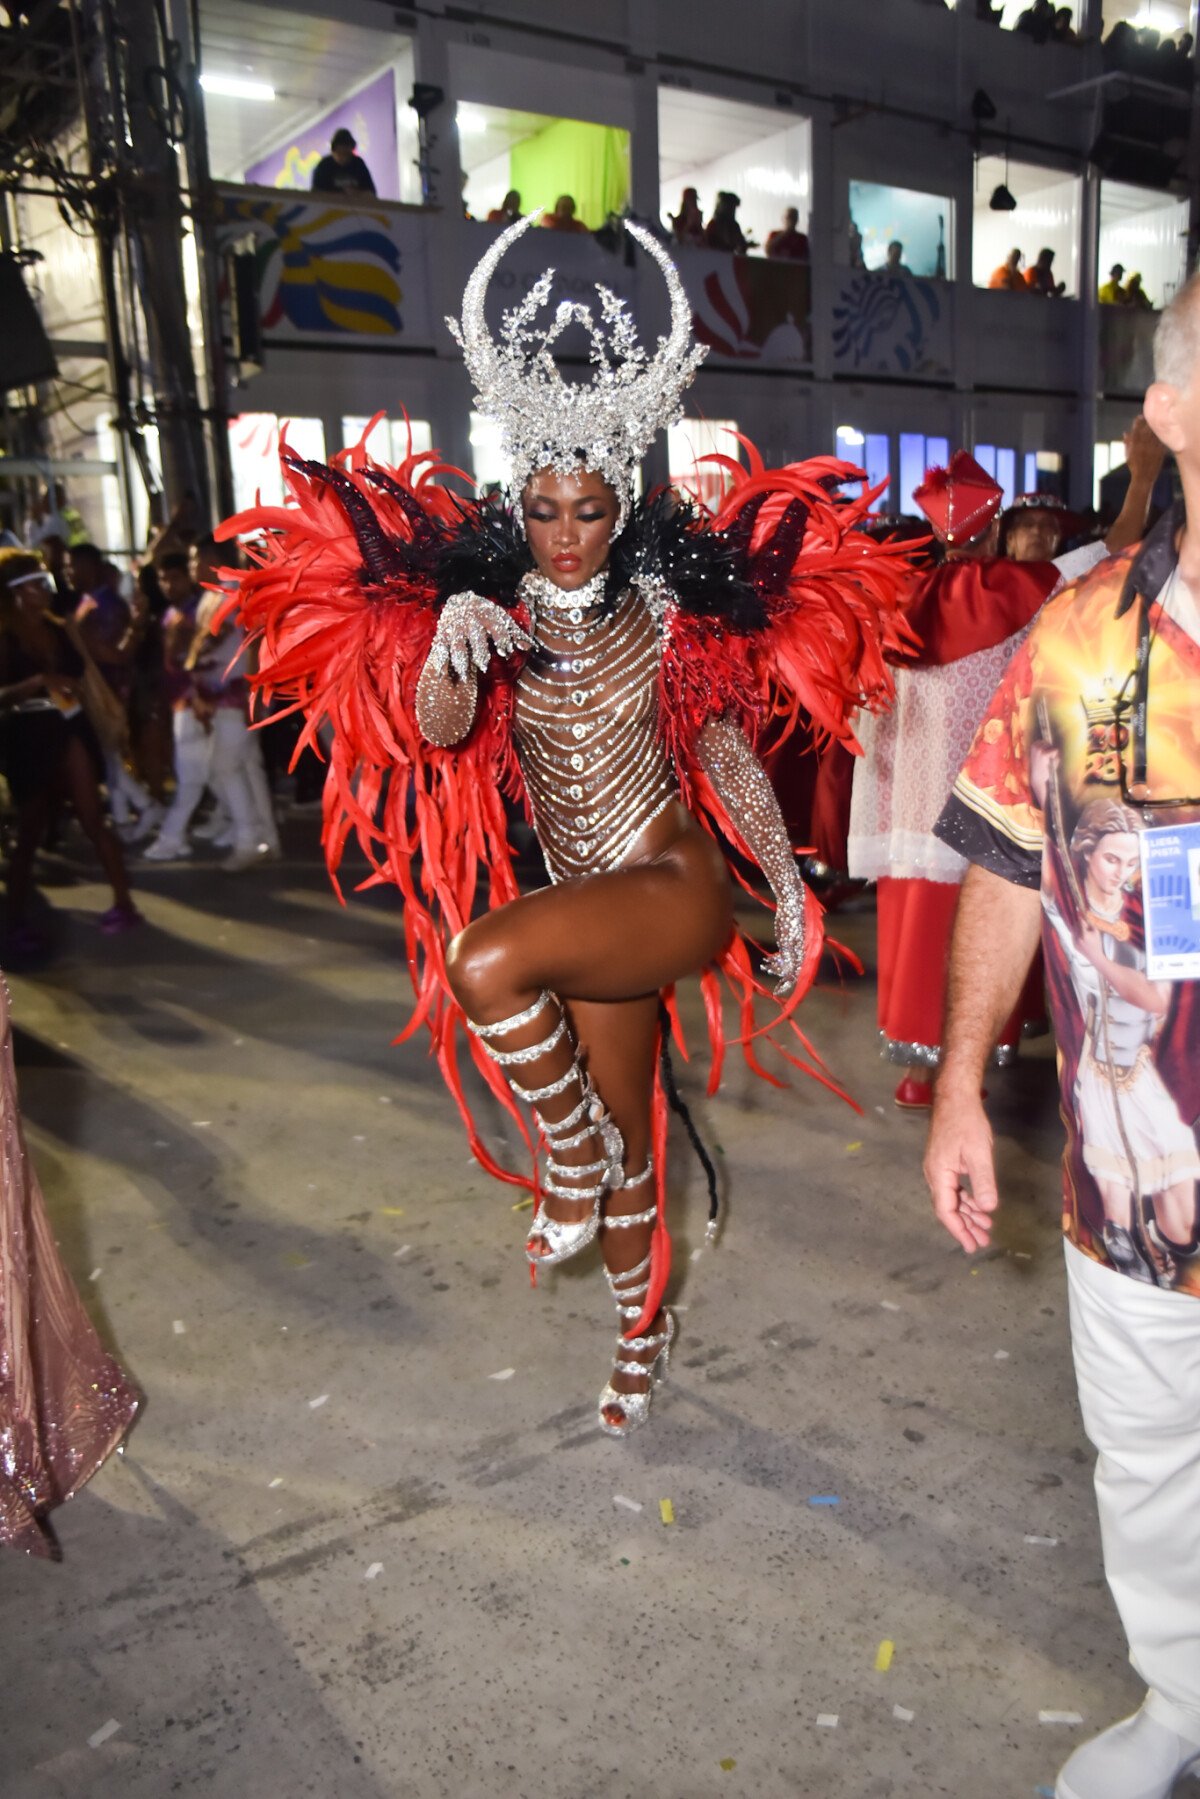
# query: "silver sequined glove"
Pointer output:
{"type": "Point", "coordinates": [790, 935]}
{"type": "Point", "coordinates": [468, 629]}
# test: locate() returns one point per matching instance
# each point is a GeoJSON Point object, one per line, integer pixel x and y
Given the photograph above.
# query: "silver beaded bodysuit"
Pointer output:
{"type": "Point", "coordinates": [586, 728]}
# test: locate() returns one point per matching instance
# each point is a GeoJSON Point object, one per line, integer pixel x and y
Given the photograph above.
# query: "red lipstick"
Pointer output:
{"type": "Point", "coordinates": [567, 562]}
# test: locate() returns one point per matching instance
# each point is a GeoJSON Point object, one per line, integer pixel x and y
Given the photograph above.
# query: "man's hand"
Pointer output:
{"type": "Point", "coordinates": [958, 1151]}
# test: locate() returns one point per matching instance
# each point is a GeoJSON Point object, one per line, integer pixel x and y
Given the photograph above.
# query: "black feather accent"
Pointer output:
{"type": "Point", "coordinates": [384, 559]}
{"type": "Point", "coordinates": [770, 567]}
{"type": "Point", "coordinates": [666, 540]}
{"type": "Point", "coordinates": [486, 553]}
{"type": "Point", "coordinates": [427, 538]}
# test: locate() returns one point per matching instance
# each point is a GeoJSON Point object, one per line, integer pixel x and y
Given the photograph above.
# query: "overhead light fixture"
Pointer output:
{"type": "Point", "coordinates": [237, 87]}
{"type": "Point", "coordinates": [848, 435]}
{"type": "Point", "coordinates": [1002, 199]}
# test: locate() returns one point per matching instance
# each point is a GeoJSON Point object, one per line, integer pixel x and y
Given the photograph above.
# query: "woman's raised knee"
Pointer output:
{"type": "Point", "coordinates": [478, 969]}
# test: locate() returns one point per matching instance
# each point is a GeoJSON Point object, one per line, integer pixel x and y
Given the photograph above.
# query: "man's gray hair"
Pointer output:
{"type": "Point", "coordinates": [1177, 340]}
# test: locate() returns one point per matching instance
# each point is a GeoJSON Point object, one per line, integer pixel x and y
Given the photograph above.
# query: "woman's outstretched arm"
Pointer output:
{"type": "Point", "coordinates": [748, 797]}
{"type": "Point", "coordinates": [448, 691]}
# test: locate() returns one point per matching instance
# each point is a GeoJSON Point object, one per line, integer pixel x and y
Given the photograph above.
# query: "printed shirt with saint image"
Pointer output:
{"type": "Point", "coordinates": [1128, 1048]}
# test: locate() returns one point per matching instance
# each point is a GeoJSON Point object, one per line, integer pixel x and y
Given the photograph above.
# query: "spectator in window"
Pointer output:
{"type": "Point", "coordinates": [509, 210]}
{"type": "Point", "coordinates": [854, 243]}
{"type": "Point", "coordinates": [1136, 295]}
{"type": "Point", "coordinates": [343, 171]}
{"type": "Point", "coordinates": [1040, 278]}
{"type": "Point", "coordinates": [894, 263]}
{"type": "Point", "coordinates": [789, 244]}
{"type": "Point", "coordinates": [687, 225]}
{"type": "Point", "coordinates": [563, 217]}
{"type": "Point", "coordinates": [1008, 277]}
{"type": "Point", "coordinates": [1037, 22]}
{"type": "Point", "coordinates": [1111, 292]}
{"type": "Point", "coordinates": [723, 231]}
{"type": "Point", "coordinates": [1063, 29]}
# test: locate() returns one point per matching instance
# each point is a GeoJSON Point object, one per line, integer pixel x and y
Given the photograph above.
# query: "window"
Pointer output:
{"type": "Point", "coordinates": [691, 440]}
{"type": "Point", "coordinates": [491, 466]}
{"type": "Point", "coordinates": [922, 225]}
{"type": "Point", "coordinates": [1146, 232]}
{"type": "Point", "coordinates": [756, 152]}
{"type": "Point", "coordinates": [1046, 217]}
{"type": "Point", "coordinates": [869, 450]}
{"type": "Point", "coordinates": [1001, 464]}
{"type": "Point", "coordinates": [918, 454]}
{"type": "Point", "coordinates": [254, 454]}
{"type": "Point", "coordinates": [541, 157]}
{"type": "Point", "coordinates": [389, 441]}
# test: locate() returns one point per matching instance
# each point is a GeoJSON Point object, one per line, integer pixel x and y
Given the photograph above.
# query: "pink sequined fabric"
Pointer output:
{"type": "Point", "coordinates": [64, 1403]}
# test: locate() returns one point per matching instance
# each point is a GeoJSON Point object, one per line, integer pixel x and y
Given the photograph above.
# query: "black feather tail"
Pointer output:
{"type": "Point", "coordinates": [682, 1111]}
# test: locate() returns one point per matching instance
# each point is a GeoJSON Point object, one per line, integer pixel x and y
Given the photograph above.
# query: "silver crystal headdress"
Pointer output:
{"type": "Point", "coordinates": [546, 422]}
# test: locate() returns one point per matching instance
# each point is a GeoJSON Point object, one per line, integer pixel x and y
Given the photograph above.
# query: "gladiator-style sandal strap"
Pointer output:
{"type": "Point", "coordinates": [511, 1024]}
{"type": "Point", "coordinates": [514, 1058]}
{"type": "Point", "coordinates": [535, 1094]}
{"type": "Point", "coordinates": [627, 1219]}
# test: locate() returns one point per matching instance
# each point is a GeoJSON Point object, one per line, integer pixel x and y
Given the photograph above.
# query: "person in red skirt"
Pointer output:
{"type": "Point", "coordinates": [971, 613]}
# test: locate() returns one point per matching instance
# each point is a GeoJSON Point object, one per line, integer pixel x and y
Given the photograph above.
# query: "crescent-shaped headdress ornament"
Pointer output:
{"type": "Point", "coordinates": [606, 424]}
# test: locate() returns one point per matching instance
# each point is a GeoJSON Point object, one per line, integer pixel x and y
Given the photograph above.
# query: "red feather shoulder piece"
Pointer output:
{"type": "Point", "coordinates": [340, 606]}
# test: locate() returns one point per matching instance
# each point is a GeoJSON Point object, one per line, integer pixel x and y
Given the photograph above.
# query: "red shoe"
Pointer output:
{"type": "Point", "coordinates": [914, 1094]}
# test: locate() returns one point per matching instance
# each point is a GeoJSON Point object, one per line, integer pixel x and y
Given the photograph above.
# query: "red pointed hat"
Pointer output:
{"type": "Point", "coordinates": [959, 501]}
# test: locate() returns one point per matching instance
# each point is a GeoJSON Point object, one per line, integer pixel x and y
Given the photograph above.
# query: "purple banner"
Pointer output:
{"type": "Point", "coordinates": [370, 115]}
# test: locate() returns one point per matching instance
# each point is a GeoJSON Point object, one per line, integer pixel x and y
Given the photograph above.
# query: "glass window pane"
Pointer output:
{"type": "Point", "coordinates": [878, 466]}
{"type": "Point", "coordinates": [692, 439]}
{"type": "Point", "coordinates": [937, 452]}
{"type": "Point", "coordinates": [1029, 484]}
{"type": "Point", "coordinates": [912, 467]}
{"type": "Point", "coordinates": [985, 456]}
{"type": "Point", "coordinates": [1006, 474]}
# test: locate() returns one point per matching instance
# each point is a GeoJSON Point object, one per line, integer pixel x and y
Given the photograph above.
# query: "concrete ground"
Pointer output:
{"type": "Point", "coordinates": [367, 1542]}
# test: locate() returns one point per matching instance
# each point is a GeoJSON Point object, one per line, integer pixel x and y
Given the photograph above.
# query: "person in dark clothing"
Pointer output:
{"type": "Point", "coordinates": [343, 171]}
{"type": "Point", "coordinates": [47, 745]}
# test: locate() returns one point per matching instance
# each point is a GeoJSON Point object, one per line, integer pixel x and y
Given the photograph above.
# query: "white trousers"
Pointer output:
{"type": "Point", "coordinates": [1137, 1361]}
{"type": "Point", "coordinates": [218, 756]}
{"type": "Point", "coordinates": [125, 792]}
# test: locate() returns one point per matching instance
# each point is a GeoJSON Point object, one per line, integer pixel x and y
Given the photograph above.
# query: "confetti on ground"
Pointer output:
{"type": "Point", "coordinates": [201, 1124]}
{"type": "Point", "coordinates": [1044, 1542]}
{"type": "Point", "coordinates": [95, 1274]}
{"type": "Point", "coordinates": [179, 1327]}
{"type": "Point", "coordinates": [277, 1482]}
{"type": "Point", "coordinates": [889, 1305]}
{"type": "Point", "coordinates": [318, 1401]}
{"type": "Point", "coordinates": [666, 1511]}
{"type": "Point", "coordinates": [1022, 1255]}
{"type": "Point", "coordinates": [902, 1714]}
{"type": "Point", "coordinates": [823, 1499]}
{"type": "Point", "coordinates": [827, 1720]}
{"type": "Point", "coordinates": [373, 1570]}
{"type": "Point", "coordinates": [161, 1143]}
{"type": "Point", "coordinates": [296, 1258]}
{"type": "Point", "coordinates": [359, 1138]}
{"type": "Point", "coordinates": [502, 1374]}
{"type": "Point", "coordinates": [883, 1655]}
{"type": "Point", "coordinates": [1001, 1355]}
{"type": "Point", "coordinates": [696, 1254]}
{"type": "Point", "coordinates": [523, 1205]}
{"type": "Point", "coordinates": [882, 1111]}
{"type": "Point", "coordinates": [853, 1148]}
{"type": "Point", "coordinates": [624, 1561]}
{"type": "Point", "coordinates": [727, 1765]}
{"type": "Point", "coordinates": [392, 1211]}
{"type": "Point", "coordinates": [403, 1249]}
{"type": "Point", "coordinates": [102, 1735]}
{"type": "Point", "coordinates": [1060, 1717]}
{"type": "Point", "coordinates": [630, 1505]}
{"type": "Point", "coordinates": [238, 1042]}
{"type": "Point", "coordinates": [385, 1099]}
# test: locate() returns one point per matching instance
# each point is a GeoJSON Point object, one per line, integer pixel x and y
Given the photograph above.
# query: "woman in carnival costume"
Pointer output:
{"type": "Point", "coordinates": [607, 667]}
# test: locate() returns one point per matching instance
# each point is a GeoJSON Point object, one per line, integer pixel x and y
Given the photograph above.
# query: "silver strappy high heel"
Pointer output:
{"type": "Point", "coordinates": [634, 1407]}
{"type": "Point", "coordinates": [588, 1118]}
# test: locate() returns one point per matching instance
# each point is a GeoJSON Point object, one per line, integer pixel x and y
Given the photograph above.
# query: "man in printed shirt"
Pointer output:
{"type": "Point", "coordinates": [1077, 764]}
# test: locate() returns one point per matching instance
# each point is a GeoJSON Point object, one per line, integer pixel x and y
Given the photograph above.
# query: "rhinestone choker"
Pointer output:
{"type": "Point", "coordinates": [542, 595]}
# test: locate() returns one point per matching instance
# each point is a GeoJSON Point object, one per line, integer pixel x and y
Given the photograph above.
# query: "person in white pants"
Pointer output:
{"type": "Point", "coordinates": [1070, 792]}
{"type": "Point", "coordinates": [209, 710]}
